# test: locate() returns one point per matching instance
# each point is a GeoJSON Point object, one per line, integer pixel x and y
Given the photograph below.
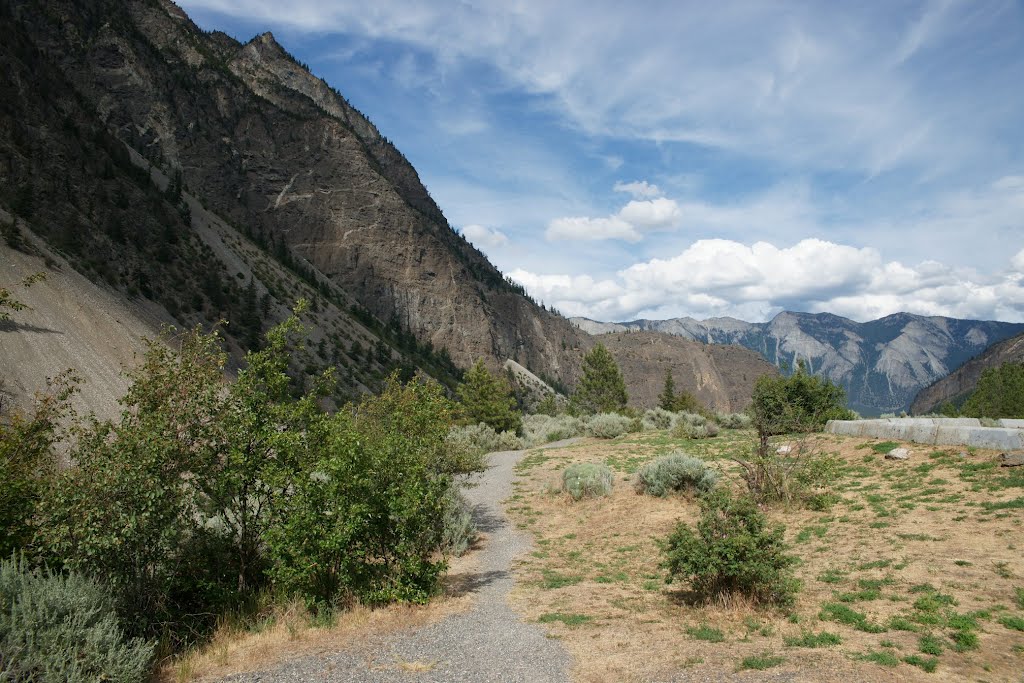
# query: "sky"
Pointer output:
{"type": "Point", "coordinates": [659, 159]}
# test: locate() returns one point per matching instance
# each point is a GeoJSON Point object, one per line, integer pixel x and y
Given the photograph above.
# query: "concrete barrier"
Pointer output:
{"type": "Point", "coordinates": [935, 431]}
{"type": "Point", "coordinates": [1011, 424]}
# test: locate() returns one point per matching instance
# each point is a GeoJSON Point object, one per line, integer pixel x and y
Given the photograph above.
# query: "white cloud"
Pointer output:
{"type": "Point", "coordinates": [722, 277]}
{"type": "Point", "coordinates": [629, 224]}
{"type": "Point", "coordinates": [640, 189]}
{"type": "Point", "coordinates": [1018, 263]}
{"type": "Point", "coordinates": [485, 237]}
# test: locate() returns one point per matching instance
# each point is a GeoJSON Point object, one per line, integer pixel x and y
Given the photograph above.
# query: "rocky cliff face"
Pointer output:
{"type": "Point", "coordinates": [882, 364]}
{"type": "Point", "coordinates": [959, 384]}
{"type": "Point", "coordinates": [284, 160]}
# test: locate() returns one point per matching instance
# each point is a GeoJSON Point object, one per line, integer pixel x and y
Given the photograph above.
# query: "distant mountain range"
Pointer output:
{"type": "Point", "coordinates": [882, 364]}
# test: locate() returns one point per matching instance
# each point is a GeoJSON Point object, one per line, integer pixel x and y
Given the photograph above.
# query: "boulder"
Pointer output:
{"type": "Point", "coordinates": [898, 454]}
{"type": "Point", "coordinates": [1011, 459]}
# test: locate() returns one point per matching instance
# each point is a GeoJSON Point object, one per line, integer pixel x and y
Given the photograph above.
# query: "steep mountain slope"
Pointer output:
{"type": "Point", "coordinates": [882, 363]}
{"type": "Point", "coordinates": [964, 380]}
{"type": "Point", "coordinates": [281, 156]}
{"type": "Point", "coordinates": [721, 377]}
{"type": "Point", "coordinates": [222, 181]}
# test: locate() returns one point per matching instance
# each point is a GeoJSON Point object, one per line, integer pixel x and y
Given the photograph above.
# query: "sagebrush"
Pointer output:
{"type": "Point", "coordinates": [675, 472]}
{"type": "Point", "coordinates": [587, 480]}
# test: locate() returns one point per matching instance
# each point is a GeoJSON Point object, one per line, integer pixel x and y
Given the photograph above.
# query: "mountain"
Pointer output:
{"type": "Point", "coordinates": [882, 364]}
{"type": "Point", "coordinates": [193, 178]}
{"type": "Point", "coordinates": [960, 383]}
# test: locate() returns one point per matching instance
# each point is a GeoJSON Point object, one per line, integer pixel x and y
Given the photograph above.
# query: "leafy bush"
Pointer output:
{"type": "Point", "coordinates": [675, 472]}
{"type": "Point", "coordinates": [733, 420]}
{"type": "Point", "coordinates": [458, 529]}
{"type": "Point", "coordinates": [732, 551]}
{"type": "Point", "coordinates": [63, 628]}
{"type": "Point", "coordinates": [999, 394]}
{"type": "Point", "coordinates": [690, 430]}
{"type": "Point", "coordinates": [469, 444]}
{"type": "Point", "coordinates": [799, 477]}
{"type": "Point", "coordinates": [587, 480]}
{"type": "Point", "coordinates": [799, 403]}
{"type": "Point", "coordinates": [657, 418]}
{"type": "Point", "coordinates": [609, 425]}
{"type": "Point", "coordinates": [541, 429]}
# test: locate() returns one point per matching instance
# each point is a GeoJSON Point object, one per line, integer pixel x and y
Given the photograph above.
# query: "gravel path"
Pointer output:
{"type": "Point", "coordinates": [488, 643]}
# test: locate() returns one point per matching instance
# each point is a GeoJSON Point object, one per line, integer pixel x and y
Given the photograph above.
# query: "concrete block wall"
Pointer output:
{"type": "Point", "coordinates": [961, 431]}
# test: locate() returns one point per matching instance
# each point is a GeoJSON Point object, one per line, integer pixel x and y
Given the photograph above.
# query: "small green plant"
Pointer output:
{"type": "Point", "coordinates": [609, 425]}
{"type": "Point", "coordinates": [964, 640]}
{"type": "Point", "coordinates": [570, 620]}
{"type": "Point", "coordinates": [928, 665]}
{"type": "Point", "coordinates": [675, 472]}
{"type": "Point", "coordinates": [707, 633]}
{"type": "Point", "coordinates": [880, 657]}
{"type": "Point", "coordinates": [1018, 596]}
{"type": "Point", "coordinates": [930, 645]}
{"type": "Point", "coordinates": [733, 550]}
{"type": "Point", "coordinates": [1015, 623]}
{"type": "Point", "coordinates": [760, 662]}
{"type": "Point", "coordinates": [840, 613]}
{"type": "Point", "coordinates": [808, 639]}
{"type": "Point", "coordinates": [63, 628]}
{"type": "Point", "coordinates": [587, 480]}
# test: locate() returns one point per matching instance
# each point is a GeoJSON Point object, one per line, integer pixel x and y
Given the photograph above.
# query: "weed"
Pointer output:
{"type": "Point", "coordinates": [808, 639]}
{"type": "Point", "coordinates": [900, 623]}
{"type": "Point", "coordinates": [1015, 623]}
{"type": "Point", "coordinates": [880, 657]}
{"type": "Point", "coordinates": [553, 580]}
{"type": "Point", "coordinates": [571, 620]}
{"type": "Point", "coordinates": [831, 576]}
{"type": "Point", "coordinates": [964, 640]}
{"type": "Point", "coordinates": [876, 564]}
{"type": "Point", "coordinates": [760, 662]}
{"type": "Point", "coordinates": [930, 645]}
{"type": "Point", "coordinates": [929, 665]}
{"type": "Point", "coordinates": [834, 611]}
{"type": "Point", "coordinates": [707, 633]}
{"type": "Point", "coordinates": [1018, 594]}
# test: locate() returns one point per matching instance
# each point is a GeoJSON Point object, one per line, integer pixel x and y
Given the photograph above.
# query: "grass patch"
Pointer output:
{"type": "Point", "coordinates": [571, 620]}
{"type": "Point", "coordinates": [929, 664]}
{"type": "Point", "coordinates": [760, 662]}
{"type": "Point", "coordinates": [706, 633]}
{"type": "Point", "coordinates": [884, 447]}
{"type": "Point", "coordinates": [1015, 504]}
{"type": "Point", "coordinates": [880, 657]}
{"type": "Point", "coordinates": [808, 639]}
{"type": "Point", "coordinates": [832, 576]}
{"type": "Point", "coordinates": [930, 645]}
{"type": "Point", "coordinates": [1015, 623]}
{"type": "Point", "coordinates": [554, 580]}
{"type": "Point", "coordinates": [839, 613]}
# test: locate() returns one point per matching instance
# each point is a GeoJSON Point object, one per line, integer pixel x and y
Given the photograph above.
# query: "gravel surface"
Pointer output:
{"type": "Point", "coordinates": [488, 643]}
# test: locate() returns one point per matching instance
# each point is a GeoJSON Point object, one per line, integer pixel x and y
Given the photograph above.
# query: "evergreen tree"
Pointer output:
{"type": "Point", "coordinates": [602, 389]}
{"type": "Point", "coordinates": [667, 397]}
{"type": "Point", "coordinates": [1000, 393]}
{"type": "Point", "coordinates": [488, 398]}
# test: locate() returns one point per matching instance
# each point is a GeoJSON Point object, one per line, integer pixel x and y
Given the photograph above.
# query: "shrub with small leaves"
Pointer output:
{"type": "Point", "coordinates": [675, 472]}
{"type": "Point", "coordinates": [63, 628]}
{"type": "Point", "coordinates": [733, 420]}
{"type": "Point", "coordinates": [587, 480]}
{"type": "Point", "coordinates": [469, 444]}
{"type": "Point", "coordinates": [541, 429]}
{"type": "Point", "coordinates": [733, 551]}
{"type": "Point", "coordinates": [657, 418]}
{"type": "Point", "coordinates": [609, 425]}
{"type": "Point", "coordinates": [687, 430]}
{"type": "Point", "coordinates": [458, 528]}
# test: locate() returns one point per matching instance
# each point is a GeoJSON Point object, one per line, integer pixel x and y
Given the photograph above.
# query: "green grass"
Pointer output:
{"type": "Point", "coordinates": [571, 620]}
{"type": "Point", "coordinates": [859, 596]}
{"type": "Point", "coordinates": [1015, 504]}
{"type": "Point", "coordinates": [884, 446]}
{"type": "Point", "coordinates": [964, 640]}
{"type": "Point", "coordinates": [808, 639]}
{"type": "Point", "coordinates": [553, 580]}
{"type": "Point", "coordinates": [1018, 596]}
{"type": "Point", "coordinates": [930, 645]}
{"type": "Point", "coordinates": [901, 623]}
{"type": "Point", "coordinates": [760, 662]}
{"type": "Point", "coordinates": [875, 564]}
{"type": "Point", "coordinates": [831, 576]}
{"type": "Point", "coordinates": [1015, 623]}
{"type": "Point", "coordinates": [705, 632]}
{"type": "Point", "coordinates": [837, 612]}
{"type": "Point", "coordinates": [929, 664]}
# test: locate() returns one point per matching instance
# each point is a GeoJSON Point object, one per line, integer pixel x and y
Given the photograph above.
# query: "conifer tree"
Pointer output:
{"type": "Point", "coordinates": [601, 389]}
{"type": "Point", "coordinates": [486, 398]}
{"type": "Point", "coordinates": [667, 397]}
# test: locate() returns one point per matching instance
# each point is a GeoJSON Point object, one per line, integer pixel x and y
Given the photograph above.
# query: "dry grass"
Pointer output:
{"type": "Point", "coordinates": [898, 527]}
{"type": "Point", "coordinates": [290, 631]}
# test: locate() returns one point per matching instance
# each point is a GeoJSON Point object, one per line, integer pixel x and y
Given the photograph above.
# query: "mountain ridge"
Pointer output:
{"type": "Point", "coordinates": [881, 363]}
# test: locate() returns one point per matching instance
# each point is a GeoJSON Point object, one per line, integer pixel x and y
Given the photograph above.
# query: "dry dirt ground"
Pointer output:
{"type": "Point", "coordinates": [924, 558]}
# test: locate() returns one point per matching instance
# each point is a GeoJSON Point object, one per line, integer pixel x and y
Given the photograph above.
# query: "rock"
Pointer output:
{"type": "Point", "coordinates": [784, 449]}
{"type": "Point", "coordinates": [1011, 459]}
{"type": "Point", "coordinates": [898, 454]}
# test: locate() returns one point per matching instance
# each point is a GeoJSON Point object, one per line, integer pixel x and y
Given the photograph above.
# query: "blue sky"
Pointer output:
{"type": "Point", "coordinates": [663, 159]}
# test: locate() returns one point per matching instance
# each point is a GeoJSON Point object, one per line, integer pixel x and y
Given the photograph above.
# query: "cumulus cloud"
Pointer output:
{"type": "Point", "coordinates": [629, 224]}
{"type": "Point", "coordinates": [484, 237]}
{"type": "Point", "coordinates": [641, 189]}
{"type": "Point", "coordinates": [723, 277]}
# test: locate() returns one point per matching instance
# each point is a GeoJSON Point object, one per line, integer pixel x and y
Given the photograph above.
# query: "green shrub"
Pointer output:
{"type": "Point", "coordinates": [734, 550]}
{"type": "Point", "coordinates": [733, 420]}
{"type": "Point", "coordinates": [675, 472]}
{"type": "Point", "coordinates": [706, 633]}
{"type": "Point", "coordinates": [799, 403]}
{"type": "Point", "coordinates": [609, 425]}
{"type": "Point", "coordinates": [541, 429]}
{"type": "Point", "coordinates": [999, 394]}
{"type": "Point", "coordinates": [799, 477]}
{"type": "Point", "coordinates": [587, 480]}
{"type": "Point", "coordinates": [601, 389]}
{"type": "Point", "coordinates": [458, 529]}
{"type": "Point", "coordinates": [657, 419]}
{"type": "Point", "coordinates": [487, 398]}
{"type": "Point", "coordinates": [807, 639]}
{"type": "Point", "coordinates": [467, 445]}
{"type": "Point", "coordinates": [56, 628]}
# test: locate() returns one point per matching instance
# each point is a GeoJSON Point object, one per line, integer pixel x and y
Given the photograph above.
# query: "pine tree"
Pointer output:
{"type": "Point", "coordinates": [488, 399]}
{"type": "Point", "coordinates": [667, 397]}
{"type": "Point", "coordinates": [602, 389]}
